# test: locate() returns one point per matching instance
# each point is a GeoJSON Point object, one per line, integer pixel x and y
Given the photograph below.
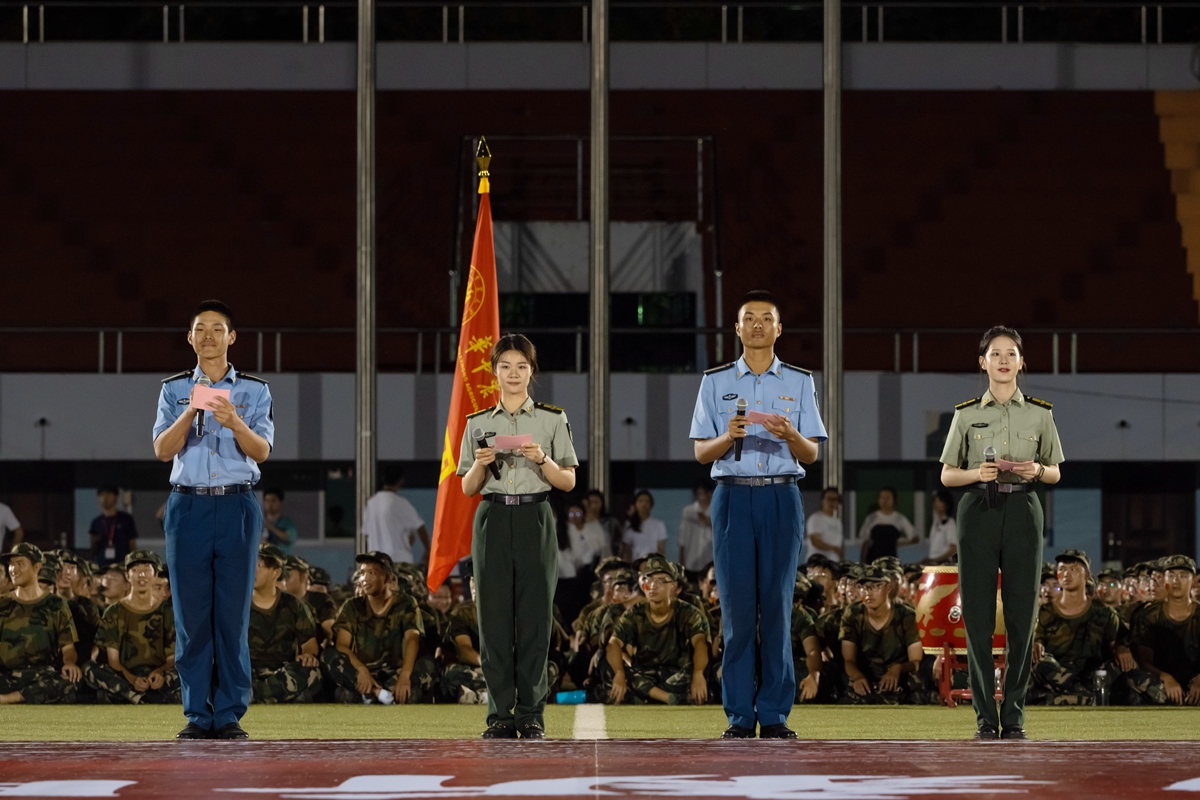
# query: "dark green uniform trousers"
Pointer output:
{"type": "Point", "coordinates": [515, 551]}
{"type": "Point", "coordinates": [1008, 539]}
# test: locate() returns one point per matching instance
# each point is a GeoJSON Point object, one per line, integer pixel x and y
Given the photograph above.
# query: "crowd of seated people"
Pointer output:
{"type": "Point", "coordinates": [649, 633]}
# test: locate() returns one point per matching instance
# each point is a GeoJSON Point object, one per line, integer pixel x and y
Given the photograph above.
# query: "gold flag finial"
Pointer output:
{"type": "Point", "coordinates": [483, 157]}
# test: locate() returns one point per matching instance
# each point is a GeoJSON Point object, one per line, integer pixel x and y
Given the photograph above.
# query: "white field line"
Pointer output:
{"type": "Point", "coordinates": [589, 721]}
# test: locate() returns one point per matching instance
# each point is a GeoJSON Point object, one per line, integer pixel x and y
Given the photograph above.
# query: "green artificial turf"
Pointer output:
{"type": "Point", "coordinates": [126, 723]}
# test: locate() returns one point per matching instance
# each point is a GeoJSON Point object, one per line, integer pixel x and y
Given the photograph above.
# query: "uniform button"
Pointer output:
{"type": "Point", "coordinates": [510, 480]}
{"type": "Point", "coordinates": [215, 474]}
{"type": "Point", "coordinates": [760, 383]}
{"type": "Point", "coordinates": [760, 463]}
{"type": "Point", "coordinates": [512, 466]}
{"type": "Point", "coordinates": [214, 452]}
{"type": "Point", "coordinates": [759, 402]}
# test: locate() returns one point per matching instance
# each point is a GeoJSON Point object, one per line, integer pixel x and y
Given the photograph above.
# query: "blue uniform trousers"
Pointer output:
{"type": "Point", "coordinates": [212, 550]}
{"type": "Point", "coordinates": [757, 533]}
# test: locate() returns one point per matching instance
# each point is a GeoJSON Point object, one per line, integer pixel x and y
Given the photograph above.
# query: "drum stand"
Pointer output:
{"type": "Point", "coordinates": [951, 662]}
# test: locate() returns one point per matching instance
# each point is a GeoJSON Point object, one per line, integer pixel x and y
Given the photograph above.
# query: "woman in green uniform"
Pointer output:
{"type": "Point", "coordinates": [1000, 527]}
{"type": "Point", "coordinates": [515, 547]}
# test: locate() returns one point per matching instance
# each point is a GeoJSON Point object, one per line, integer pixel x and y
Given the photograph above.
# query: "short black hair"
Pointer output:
{"type": "Point", "coordinates": [761, 296]}
{"type": "Point", "coordinates": [392, 475]}
{"type": "Point", "coordinates": [108, 488]}
{"type": "Point", "coordinates": [708, 484]}
{"type": "Point", "coordinates": [275, 490]}
{"type": "Point", "coordinates": [213, 305]}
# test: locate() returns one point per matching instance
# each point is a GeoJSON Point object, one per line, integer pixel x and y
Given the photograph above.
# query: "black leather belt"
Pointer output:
{"type": "Point", "coordinates": [213, 491]}
{"type": "Point", "coordinates": [764, 480]}
{"type": "Point", "coordinates": [1006, 488]}
{"type": "Point", "coordinates": [517, 499]}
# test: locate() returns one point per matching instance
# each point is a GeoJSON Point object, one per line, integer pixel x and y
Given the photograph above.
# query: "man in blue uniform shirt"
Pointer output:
{"type": "Point", "coordinates": [757, 516]}
{"type": "Point", "coordinates": [213, 523]}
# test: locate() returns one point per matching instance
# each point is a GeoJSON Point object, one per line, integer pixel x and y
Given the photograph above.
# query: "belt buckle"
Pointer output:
{"type": "Point", "coordinates": [758, 480]}
{"type": "Point", "coordinates": [1006, 488]}
{"type": "Point", "coordinates": [217, 491]}
{"type": "Point", "coordinates": [512, 500]}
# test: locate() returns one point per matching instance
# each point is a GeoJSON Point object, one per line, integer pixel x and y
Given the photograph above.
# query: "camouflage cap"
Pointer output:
{"type": "Point", "coordinates": [656, 564]}
{"type": "Point", "coordinates": [144, 557]}
{"type": "Point", "coordinates": [609, 564]}
{"type": "Point", "coordinates": [1109, 575]}
{"type": "Point", "coordinates": [1179, 562]}
{"type": "Point", "coordinates": [1073, 555]}
{"type": "Point", "coordinates": [376, 557]}
{"type": "Point", "coordinates": [1143, 568]}
{"type": "Point", "coordinates": [803, 584]}
{"type": "Point", "coordinates": [1049, 570]}
{"type": "Point", "coordinates": [890, 564]}
{"type": "Point", "coordinates": [295, 564]}
{"type": "Point", "coordinates": [115, 567]}
{"type": "Point", "coordinates": [25, 550]}
{"type": "Point", "coordinates": [67, 557]}
{"type": "Point", "coordinates": [855, 573]}
{"type": "Point", "coordinates": [1131, 572]}
{"type": "Point", "coordinates": [623, 576]}
{"type": "Point", "coordinates": [874, 574]}
{"type": "Point", "coordinates": [319, 576]}
{"type": "Point", "coordinates": [48, 574]}
{"type": "Point", "coordinates": [1155, 566]}
{"type": "Point", "coordinates": [272, 555]}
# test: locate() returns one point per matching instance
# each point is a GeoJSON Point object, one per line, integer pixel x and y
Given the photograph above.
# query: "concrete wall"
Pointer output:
{"type": "Point", "coordinates": [891, 416]}
{"type": "Point", "coordinates": [635, 65]}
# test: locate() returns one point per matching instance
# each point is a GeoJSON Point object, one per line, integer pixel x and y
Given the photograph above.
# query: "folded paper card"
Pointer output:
{"type": "Point", "coordinates": [203, 396]}
{"type": "Point", "coordinates": [1009, 466]}
{"type": "Point", "coordinates": [513, 442]}
{"type": "Point", "coordinates": [757, 417]}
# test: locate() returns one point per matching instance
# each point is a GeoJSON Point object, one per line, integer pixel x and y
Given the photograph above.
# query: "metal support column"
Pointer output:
{"type": "Point", "coordinates": [831, 372]}
{"type": "Point", "coordinates": [365, 416]}
{"type": "Point", "coordinates": [598, 387]}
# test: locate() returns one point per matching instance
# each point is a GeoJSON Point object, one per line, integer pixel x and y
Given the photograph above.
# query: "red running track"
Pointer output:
{"type": "Point", "coordinates": [756, 770]}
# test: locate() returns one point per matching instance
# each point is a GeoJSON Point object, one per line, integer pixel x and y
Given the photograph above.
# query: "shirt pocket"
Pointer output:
{"type": "Point", "coordinates": [787, 408]}
{"type": "Point", "coordinates": [1024, 446]}
{"type": "Point", "coordinates": [978, 440]}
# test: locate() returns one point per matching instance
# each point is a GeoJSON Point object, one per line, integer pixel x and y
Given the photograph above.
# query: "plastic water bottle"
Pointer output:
{"type": "Point", "coordinates": [1099, 688]}
{"type": "Point", "coordinates": [386, 697]}
{"type": "Point", "coordinates": [999, 680]}
{"type": "Point", "coordinates": [571, 698]}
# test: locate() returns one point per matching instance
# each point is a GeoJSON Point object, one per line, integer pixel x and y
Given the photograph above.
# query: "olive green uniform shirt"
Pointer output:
{"type": "Point", "coordinates": [1021, 430]}
{"type": "Point", "coordinates": [518, 475]}
{"type": "Point", "coordinates": [879, 649]}
{"type": "Point", "coordinates": [1081, 643]}
{"type": "Point", "coordinates": [34, 634]}
{"type": "Point", "coordinates": [144, 640]}
{"type": "Point", "coordinates": [277, 634]}
{"type": "Point", "coordinates": [668, 644]}
{"type": "Point", "coordinates": [378, 639]}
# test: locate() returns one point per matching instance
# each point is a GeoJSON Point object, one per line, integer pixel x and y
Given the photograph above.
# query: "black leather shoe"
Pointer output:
{"type": "Point", "coordinates": [779, 731]}
{"type": "Point", "coordinates": [531, 730]}
{"type": "Point", "coordinates": [1013, 732]}
{"type": "Point", "coordinates": [498, 730]}
{"type": "Point", "coordinates": [194, 731]}
{"type": "Point", "coordinates": [738, 732]}
{"type": "Point", "coordinates": [230, 731]}
{"type": "Point", "coordinates": [987, 732]}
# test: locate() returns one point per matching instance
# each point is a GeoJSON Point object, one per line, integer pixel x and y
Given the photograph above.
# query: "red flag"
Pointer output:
{"type": "Point", "coordinates": [475, 389]}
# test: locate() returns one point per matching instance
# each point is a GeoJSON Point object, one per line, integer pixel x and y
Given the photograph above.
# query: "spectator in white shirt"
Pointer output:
{"type": "Point", "coordinates": [644, 535]}
{"type": "Point", "coordinates": [9, 523]}
{"type": "Point", "coordinates": [599, 527]}
{"type": "Point", "coordinates": [884, 531]}
{"type": "Point", "coordinates": [576, 555]}
{"type": "Point", "coordinates": [943, 533]}
{"type": "Point", "coordinates": [825, 534]}
{"type": "Point", "coordinates": [695, 530]}
{"type": "Point", "coordinates": [391, 523]}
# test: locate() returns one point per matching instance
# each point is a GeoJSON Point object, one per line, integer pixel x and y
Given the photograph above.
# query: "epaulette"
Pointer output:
{"type": "Point", "coordinates": [187, 373]}
{"type": "Point", "coordinates": [477, 413]}
{"type": "Point", "coordinates": [1046, 404]}
{"type": "Point", "coordinates": [548, 407]}
{"type": "Point", "coordinates": [250, 377]}
{"type": "Point", "coordinates": [798, 369]}
{"type": "Point", "coordinates": [721, 368]}
{"type": "Point", "coordinates": [967, 404]}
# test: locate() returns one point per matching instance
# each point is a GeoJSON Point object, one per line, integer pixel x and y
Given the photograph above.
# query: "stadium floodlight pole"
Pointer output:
{"type": "Point", "coordinates": [365, 443]}
{"type": "Point", "coordinates": [831, 371]}
{"type": "Point", "coordinates": [598, 325]}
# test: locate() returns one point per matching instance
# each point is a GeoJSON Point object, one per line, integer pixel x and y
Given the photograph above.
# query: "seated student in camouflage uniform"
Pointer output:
{"type": "Point", "coordinates": [666, 641]}
{"type": "Point", "coordinates": [377, 638]}
{"type": "Point", "coordinates": [1108, 589]}
{"type": "Point", "coordinates": [1049, 588]}
{"type": "Point", "coordinates": [138, 635]}
{"type": "Point", "coordinates": [70, 585]}
{"type": "Point", "coordinates": [881, 647]}
{"type": "Point", "coordinates": [626, 593]}
{"type": "Point", "coordinates": [295, 576]}
{"type": "Point", "coordinates": [1074, 637]}
{"type": "Point", "coordinates": [321, 602]}
{"type": "Point", "coordinates": [114, 586]}
{"type": "Point", "coordinates": [36, 634]}
{"type": "Point", "coordinates": [1166, 634]}
{"type": "Point", "coordinates": [462, 682]}
{"type": "Point", "coordinates": [895, 573]}
{"type": "Point", "coordinates": [282, 637]}
{"type": "Point", "coordinates": [426, 675]}
{"type": "Point", "coordinates": [806, 644]}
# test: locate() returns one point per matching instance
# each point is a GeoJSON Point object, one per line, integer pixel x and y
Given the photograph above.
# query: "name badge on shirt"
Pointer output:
{"type": "Point", "coordinates": [110, 553]}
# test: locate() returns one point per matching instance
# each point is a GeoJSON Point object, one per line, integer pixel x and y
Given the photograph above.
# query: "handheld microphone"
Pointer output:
{"type": "Point", "coordinates": [482, 442]}
{"type": "Point", "coordinates": [737, 443]}
{"type": "Point", "coordinates": [993, 488]}
{"type": "Point", "coordinates": [204, 381]}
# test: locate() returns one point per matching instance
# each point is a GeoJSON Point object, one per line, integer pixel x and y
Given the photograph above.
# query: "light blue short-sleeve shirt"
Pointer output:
{"type": "Point", "coordinates": [783, 389]}
{"type": "Point", "coordinates": [215, 459]}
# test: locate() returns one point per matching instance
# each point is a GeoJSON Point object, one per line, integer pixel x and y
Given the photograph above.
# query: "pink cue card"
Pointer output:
{"type": "Point", "coordinates": [202, 397]}
{"type": "Point", "coordinates": [757, 417]}
{"type": "Point", "coordinates": [1009, 466]}
{"type": "Point", "coordinates": [513, 442]}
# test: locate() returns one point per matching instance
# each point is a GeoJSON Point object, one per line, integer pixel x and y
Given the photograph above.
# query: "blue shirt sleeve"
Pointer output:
{"type": "Point", "coordinates": [262, 419]}
{"type": "Point", "coordinates": [704, 417]}
{"type": "Point", "coordinates": [811, 426]}
{"type": "Point", "coordinates": [168, 411]}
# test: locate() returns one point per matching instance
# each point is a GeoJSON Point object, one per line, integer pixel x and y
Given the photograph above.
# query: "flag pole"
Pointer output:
{"type": "Point", "coordinates": [831, 368]}
{"type": "Point", "coordinates": [365, 445]}
{"type": "Point", "coordinates": [598, 324]}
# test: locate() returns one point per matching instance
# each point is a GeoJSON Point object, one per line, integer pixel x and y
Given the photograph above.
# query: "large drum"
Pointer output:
{"type": "Point", "coordinates": [940, 617]}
